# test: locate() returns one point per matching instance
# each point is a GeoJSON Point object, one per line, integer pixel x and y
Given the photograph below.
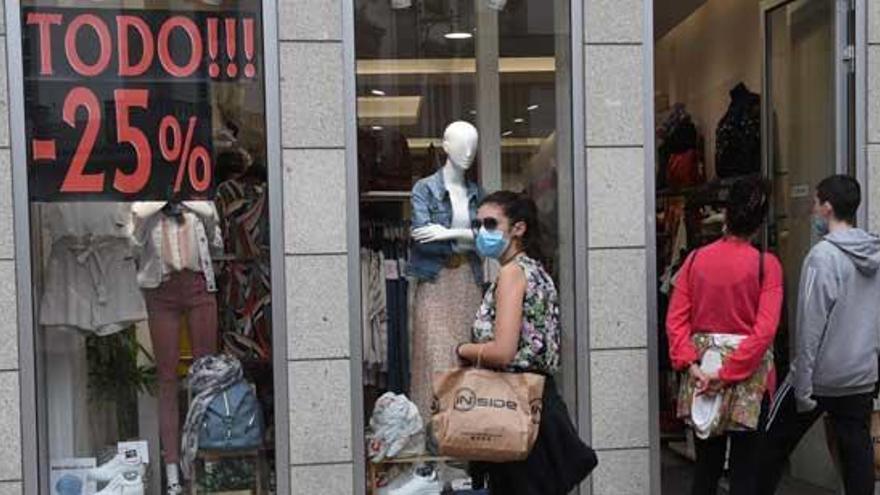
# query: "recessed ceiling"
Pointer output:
{"type": "Point", "coordinates": [669, 13]}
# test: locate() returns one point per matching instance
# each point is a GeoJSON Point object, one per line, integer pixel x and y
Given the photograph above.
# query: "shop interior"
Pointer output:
{"type": "Point", "coordinates": [499, 66]}
{"type": "Point", "coordinates": [721, 114]}
{"type": "Point", "coordinates": [102, 387]}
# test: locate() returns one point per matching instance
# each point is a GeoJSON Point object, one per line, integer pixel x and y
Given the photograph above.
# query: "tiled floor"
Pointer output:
{"type": "Point", "coordinates": [678, 475]}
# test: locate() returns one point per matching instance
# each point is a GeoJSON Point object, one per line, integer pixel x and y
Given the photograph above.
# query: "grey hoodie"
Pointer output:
{"type": "Point", "coordinates": [838, 318]}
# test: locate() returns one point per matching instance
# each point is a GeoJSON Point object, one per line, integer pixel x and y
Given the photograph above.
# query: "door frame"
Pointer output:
{"type": "Point", "coordinates": [845, 123]}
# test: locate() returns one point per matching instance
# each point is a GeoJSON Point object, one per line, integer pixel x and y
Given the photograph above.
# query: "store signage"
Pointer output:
{"type": "Point", "coordinates": [118, 102]}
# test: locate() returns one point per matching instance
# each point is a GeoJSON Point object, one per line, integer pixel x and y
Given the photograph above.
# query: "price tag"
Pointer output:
{"type": "Point", "coordinates": [392, 270]}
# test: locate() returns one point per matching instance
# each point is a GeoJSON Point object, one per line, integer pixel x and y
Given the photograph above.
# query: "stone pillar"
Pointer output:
{"type": "Point", "coordinates": [617, 185]}
{"type": "Point", "coordinates": [10, 398]}
{"type": "Point", "coordinates": [313, 138]}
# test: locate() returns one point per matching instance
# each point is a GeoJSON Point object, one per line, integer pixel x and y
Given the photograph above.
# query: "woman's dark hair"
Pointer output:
{"type": "Point", "coordinates": [747, 206]}
{"type": "Point", "coordinates": [519, 207]}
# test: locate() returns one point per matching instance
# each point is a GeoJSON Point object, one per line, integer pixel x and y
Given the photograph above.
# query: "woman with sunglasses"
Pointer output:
{"type": "Point", "coordinates": [517, 330]}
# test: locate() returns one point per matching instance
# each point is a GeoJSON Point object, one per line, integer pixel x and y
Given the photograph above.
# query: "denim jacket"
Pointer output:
{"type": "Point", "coordinates": [431, 205]}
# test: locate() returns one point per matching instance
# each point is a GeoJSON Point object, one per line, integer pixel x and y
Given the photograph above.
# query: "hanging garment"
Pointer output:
{"type": "Point", "coordinates": [91, 277]}
{"type": "Point", "coordinates": [244, 282]}
{"type": "Point", "coordinates": [738, 137]}
{"type": "Point", "coordinates": [684, 169]}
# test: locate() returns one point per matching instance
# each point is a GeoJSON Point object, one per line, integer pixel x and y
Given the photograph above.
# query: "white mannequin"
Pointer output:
{"type": "Point", "coordinates": [460, 144]}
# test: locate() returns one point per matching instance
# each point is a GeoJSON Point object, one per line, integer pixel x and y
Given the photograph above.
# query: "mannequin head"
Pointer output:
{"type": "Point", "coordinates": [460, 144]}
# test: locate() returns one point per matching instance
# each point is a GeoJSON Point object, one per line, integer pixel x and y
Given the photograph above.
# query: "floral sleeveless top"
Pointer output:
{"type": "Point", "coordinates": [539, 339]}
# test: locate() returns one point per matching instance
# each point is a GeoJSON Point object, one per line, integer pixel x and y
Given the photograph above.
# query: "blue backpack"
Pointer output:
{"type": "Point", "coordinates": [233, 420]}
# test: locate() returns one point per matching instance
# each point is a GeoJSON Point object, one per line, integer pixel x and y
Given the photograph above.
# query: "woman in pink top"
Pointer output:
{"type": "Point", "coordinates": [730, 289]}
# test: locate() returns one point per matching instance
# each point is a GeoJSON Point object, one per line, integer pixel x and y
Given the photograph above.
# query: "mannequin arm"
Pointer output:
{"type": "Point", "coordinates": [145, 209]}
{"type": "Point", "coordinates": [435, 233]}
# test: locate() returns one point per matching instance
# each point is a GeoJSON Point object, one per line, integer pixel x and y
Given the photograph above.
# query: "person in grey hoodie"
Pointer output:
{"type": "Point", "coordinates": [837, 339]}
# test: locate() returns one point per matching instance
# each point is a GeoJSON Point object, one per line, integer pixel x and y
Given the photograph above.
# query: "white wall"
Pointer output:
{"type": "Point", "coordinates": [703, 58]}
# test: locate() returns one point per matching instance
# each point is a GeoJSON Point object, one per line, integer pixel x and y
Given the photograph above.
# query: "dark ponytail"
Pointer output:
{"type": "Point", "coordinates": [747, 206]}
{"type": "Point", "coordinates": [519, 207]}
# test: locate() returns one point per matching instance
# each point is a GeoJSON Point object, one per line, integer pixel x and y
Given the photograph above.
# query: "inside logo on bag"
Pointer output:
{"type": "Point", "coordinates": [466, 400]}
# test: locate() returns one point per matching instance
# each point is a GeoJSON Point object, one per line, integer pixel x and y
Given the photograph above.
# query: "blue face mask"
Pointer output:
{"type": "Point", "coordinates": [491, 243]}
{"type": "Point", "coordinates": [820, 225]}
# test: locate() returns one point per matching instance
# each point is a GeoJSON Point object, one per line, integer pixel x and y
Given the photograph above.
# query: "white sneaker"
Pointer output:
{"type": "Point", "coordinates": [415, 485]}
{"type": "Point", "coordinates": [126, 462]}
{"type": "Point", "coordinates": [129, 483]}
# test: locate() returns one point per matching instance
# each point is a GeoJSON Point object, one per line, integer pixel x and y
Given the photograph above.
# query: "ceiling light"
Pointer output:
{"type": "Point", "coordinates": [473, 112]}
{"type": "Point", "coordinates": [519, 120]}
{"type": "Point", "coordinates": [378, 92]}
{"type": "Point", "coordinates": [507, 133]}
{"type": "Point", "coordinates": [532, 107]}
{"type": "Point", "coordinates": [460, 35]}
{"type": "Point", "coordinates": [401, 4]}
{"type": "Point", "coordinates": [377, 128]}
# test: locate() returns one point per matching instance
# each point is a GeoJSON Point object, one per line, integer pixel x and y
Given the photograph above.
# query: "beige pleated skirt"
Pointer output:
{"type": "Point", "coordinates": [444, 313]}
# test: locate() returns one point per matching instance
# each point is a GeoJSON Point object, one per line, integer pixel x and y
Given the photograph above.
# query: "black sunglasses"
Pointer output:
{"type": "Point", "coordinates": [488, 222]}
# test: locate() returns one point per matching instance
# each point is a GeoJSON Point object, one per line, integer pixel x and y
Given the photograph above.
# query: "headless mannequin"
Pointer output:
{"type": "Point", "coordinates": [445, 306]}
{"type": "Point", "coordinates": [182, 290]}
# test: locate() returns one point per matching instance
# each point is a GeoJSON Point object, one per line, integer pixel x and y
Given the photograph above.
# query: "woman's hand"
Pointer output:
{"type": "Point", "coordinates": [702, 381]}
{"type": "Point", "coordinates": [709, 383]}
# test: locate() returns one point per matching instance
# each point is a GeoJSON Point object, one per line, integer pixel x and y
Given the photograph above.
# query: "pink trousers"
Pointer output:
{"type": "Point", "coordinates": [183, 294]}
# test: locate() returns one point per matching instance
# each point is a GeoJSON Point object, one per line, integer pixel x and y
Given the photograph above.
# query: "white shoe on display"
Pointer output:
{"type": "Point", "coordinates": [126, 462]}
{"type": "Point", "coordinates": [414, 484]}
{"type": "Point", "coordinates": [129, 483]}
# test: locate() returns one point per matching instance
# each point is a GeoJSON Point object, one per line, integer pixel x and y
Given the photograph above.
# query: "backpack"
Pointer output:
{"type": "Point", "coordinates": [233, 420]}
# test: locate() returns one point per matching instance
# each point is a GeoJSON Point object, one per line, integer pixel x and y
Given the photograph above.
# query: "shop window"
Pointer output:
{"type": "Point", "coordinates": [146, 155]}
{"type": "Point", "coordinates": [489, 82]}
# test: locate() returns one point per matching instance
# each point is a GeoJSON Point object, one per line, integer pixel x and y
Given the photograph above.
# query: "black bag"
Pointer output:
{"type": "Point", "coordinates": [738, 137]}
{"type": "Point", "coordinates": [559, 461]}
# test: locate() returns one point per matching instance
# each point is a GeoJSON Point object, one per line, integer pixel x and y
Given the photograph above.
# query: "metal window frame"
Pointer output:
{"type": "Point", "coordinates": [576, 250]}
{"type": "Point", "coordinates": [33, 458]}
{"type": "Point", "coordinates": [654, 448]}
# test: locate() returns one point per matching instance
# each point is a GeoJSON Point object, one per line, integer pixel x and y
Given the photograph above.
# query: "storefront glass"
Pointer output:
{"type": "Point", "coordinates": [146, 157]}
{"type": "Point", "coordinates": [430, 73]}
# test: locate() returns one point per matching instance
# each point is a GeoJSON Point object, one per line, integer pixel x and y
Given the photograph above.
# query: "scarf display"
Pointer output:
{"type": "Point", "coordinates": [208, 377]}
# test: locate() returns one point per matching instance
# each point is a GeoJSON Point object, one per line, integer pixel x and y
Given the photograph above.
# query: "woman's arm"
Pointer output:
{"type": "Point", "coordinates": [682, 352]}
{"type": "Point", "coordinates": [509, 295]}
{"type": "Point", "coordinates": [748, 355]}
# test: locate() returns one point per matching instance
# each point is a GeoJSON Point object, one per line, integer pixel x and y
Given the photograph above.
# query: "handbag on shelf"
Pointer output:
{"type": "Point", "coordinates": [485, 415]}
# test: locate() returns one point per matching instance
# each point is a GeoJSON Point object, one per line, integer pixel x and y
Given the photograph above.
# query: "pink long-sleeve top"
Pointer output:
{"type": "Point", "coordinates": [720, 289]}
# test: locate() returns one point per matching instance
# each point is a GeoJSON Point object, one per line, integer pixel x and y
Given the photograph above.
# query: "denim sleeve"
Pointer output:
{"type": "Point", "coordinates": [421, 216]}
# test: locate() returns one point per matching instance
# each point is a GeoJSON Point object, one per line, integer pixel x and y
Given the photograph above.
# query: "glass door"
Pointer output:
{"type": "Point", "coordinates": [806, 126]}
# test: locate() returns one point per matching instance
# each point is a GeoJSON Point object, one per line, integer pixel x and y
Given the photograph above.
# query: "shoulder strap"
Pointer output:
{"type": "Point", "coordinates": [761, 270]}
{"type": "Point", "coordinates": [691, 266]}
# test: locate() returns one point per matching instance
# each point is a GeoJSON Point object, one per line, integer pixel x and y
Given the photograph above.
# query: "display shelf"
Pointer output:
{"type": "Point", "coordinates": [375, 468]}
{"type": "Point", "coordinates": [386, 196]}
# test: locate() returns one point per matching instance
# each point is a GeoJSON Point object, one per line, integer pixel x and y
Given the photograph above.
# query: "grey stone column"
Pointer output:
{"type": "Point", "coordinates": [873, 186]}
{"type": "Point", "coordinates": [319, 364]}
{"type": "Point", "coordinates": [615, 72]}
{"type": "Point", "coordinates": [10, 399]}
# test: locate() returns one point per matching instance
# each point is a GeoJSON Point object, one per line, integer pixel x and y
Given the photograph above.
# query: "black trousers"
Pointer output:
{"type": "Point", "coordinates": [851, 421]}
{"type": "Point", "coordinates": [743, 465]}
